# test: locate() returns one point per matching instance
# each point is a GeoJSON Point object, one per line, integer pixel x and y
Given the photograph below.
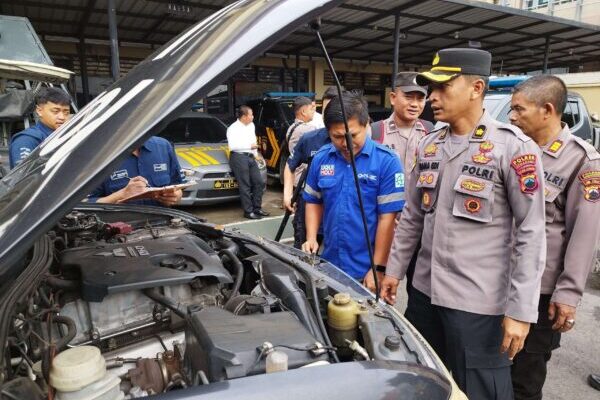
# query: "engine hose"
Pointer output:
{"type": "Point", "coordinates": [237, 284]}
{"type": "Point", "coordinates": [63, 284]}
{"type": "Point", "coordinates": [155, 295]}
{"type": "Point", "coordinates": [71, 331]}
{"type": "Point", "coordinates": [227, 244]}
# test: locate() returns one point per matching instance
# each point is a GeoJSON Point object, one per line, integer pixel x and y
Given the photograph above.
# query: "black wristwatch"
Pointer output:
{"type": "Point", "coordinates": [380, 268]}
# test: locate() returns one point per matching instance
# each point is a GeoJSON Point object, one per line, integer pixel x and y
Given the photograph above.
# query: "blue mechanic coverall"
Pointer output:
{"type": "Point", "coordinates": [24, 142]}
{"type": "Point", "coordinates": [156, 162]}
{"type": "Point", "coordinates": [330, 182]}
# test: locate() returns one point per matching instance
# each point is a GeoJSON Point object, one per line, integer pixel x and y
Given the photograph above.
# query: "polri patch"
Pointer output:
{"type": "Point", "coordinates": [472, 185]}
{"type": "Point", "coordinates": [160, 167]}
{"type": "Point", "coordinates": [524, 166]}
{"type": "Point", "coordinates": [327, 170]}
{"type": "Point", "coordinates": [591, 185]}
{"type": "Point", "coordinates": [120, 174]}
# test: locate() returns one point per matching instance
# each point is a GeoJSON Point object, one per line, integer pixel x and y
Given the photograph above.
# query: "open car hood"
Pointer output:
{"type": "Point", "coordinates": [79, 155]}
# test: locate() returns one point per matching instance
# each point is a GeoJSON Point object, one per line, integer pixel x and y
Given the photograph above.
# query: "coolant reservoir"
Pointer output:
{"type": "Point", "coordinates": [80, 373]}
{"type": "Point", "coordinates": [276, 361]}
{"type": "Point", "coordinates": [342, 319]}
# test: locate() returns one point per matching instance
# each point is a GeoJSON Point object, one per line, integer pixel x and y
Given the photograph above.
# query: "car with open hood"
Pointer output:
{"type": "Point", "coordinates": [106, 301]}
{"type": "Point", "coordinates": [200, 142]}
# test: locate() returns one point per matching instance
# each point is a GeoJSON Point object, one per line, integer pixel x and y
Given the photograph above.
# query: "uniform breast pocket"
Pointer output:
{"type": "Point", "coordinates": [161, 179]}
{"type": "Point", "coordinates": [368, 185]}
{"type": "Point", "coordinates": [327, 185]}
{"type": "Point", "coordinates": [427, 182]}
{"type": "Point", "coordinates": [474, 199]}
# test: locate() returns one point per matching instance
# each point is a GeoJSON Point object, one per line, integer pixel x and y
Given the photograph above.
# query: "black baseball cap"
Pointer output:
{"type": "Point", "coordinates": [406, 81]}
{"type": "Point", "coordinates": [449, 63]}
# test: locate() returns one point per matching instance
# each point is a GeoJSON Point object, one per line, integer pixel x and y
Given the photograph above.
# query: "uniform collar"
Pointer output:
{"type": "Point", "coordinates": [479, 134]}
{"type": "Point", "coordinates": [148, 145]}
{"type": "Point", "coordinates": [556, 147]}
{"type": "Point", "coordinates": [46, 130]}
{"type": "Point", "coordinates": [367, 149]}
{"type": "Point", "coordinates": [392, 128]}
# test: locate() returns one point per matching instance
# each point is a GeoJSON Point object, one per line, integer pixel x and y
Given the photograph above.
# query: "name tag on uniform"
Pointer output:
{"type": "Point", "coordinates": [327, 170]}
{"type": "Point", "coordinates": [160, 167]}
{"type": "Point", "coordinates": [120, 174]}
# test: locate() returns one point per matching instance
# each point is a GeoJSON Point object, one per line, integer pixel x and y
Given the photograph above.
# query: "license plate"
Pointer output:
{"type": "Point", "coordinates": [225, 184]}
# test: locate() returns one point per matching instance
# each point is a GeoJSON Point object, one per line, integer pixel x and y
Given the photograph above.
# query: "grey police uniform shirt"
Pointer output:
{"type": "Point", "coordinates": [297, 129]}
{"type": "Point", "coordinates": [464, 206]}
{"type": "Point", "coordinates": [572, 191]}
{"type": "Point", "coordinates": [404, 142]}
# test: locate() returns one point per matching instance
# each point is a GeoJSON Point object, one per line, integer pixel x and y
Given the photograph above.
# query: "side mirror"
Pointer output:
{"type": "Point", "coordinates": [595, 117]}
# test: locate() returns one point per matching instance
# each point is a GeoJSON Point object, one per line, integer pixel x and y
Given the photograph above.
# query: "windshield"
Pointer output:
{"type": "Point", "coordinates": [288, 111]}
{"type": "Point", "coordinates": [192, 130]}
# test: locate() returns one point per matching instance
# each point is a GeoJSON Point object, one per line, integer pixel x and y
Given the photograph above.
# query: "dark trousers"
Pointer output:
{"type": "Point", "coordinates": [251, 185]}
{"type": "Point", "coordinates": [529, 366]}
{"type": "Point", "coordinates": [410, 272]}
{"type": "Point", "coordinates": [468, 344]}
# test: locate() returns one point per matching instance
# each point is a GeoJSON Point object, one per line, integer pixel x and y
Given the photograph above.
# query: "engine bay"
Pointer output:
{"type": "Point", "coordinates": [132, 305]}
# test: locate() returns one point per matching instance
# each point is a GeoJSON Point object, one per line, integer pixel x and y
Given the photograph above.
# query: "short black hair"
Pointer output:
{"type": "Point", "coordinates": [355, 106]}
{"type": "Point", "coordinates": [52, 94]}
{"type": "Point", "coordinates": [331, 92]}
{"type": "Point", "coordinates": [485, 79]}
{"type": "Point", "coordinates": [243, 110]}
{"type": "Point", "coordinates": [543, 89]}
{"type": "Point", "coordinates": [300, 102]}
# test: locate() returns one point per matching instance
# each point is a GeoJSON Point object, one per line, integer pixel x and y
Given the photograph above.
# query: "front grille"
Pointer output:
{"type": "Point", "coordinates": [217, 175]}
{"type": "Point", "coordinates": [211, 194]}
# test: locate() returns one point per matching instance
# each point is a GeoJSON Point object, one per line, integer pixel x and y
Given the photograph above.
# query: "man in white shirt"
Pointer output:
{"type": "Point", "coordinates": [241, 138]}
{"type": "Point", "coordinates": [317, 119]}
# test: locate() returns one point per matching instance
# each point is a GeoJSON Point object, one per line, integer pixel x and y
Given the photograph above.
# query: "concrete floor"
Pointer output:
{"type": "Point", "coordinates": [570, 365]}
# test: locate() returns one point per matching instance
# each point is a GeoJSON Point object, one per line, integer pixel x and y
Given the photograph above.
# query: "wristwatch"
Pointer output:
{"type": "Point", "coordinates": [380, 268]}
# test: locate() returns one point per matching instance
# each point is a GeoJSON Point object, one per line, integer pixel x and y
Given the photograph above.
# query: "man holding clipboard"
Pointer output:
{"type": "Point", "coordinates": [151, 175]}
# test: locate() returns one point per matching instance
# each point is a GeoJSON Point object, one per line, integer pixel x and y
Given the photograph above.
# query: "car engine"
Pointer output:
{"type": "Point", "coordinates": [134, 305]}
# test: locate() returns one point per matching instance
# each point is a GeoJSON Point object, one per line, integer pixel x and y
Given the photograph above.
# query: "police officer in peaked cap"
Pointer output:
{"type": "Point", "coordinates": [478, 202]}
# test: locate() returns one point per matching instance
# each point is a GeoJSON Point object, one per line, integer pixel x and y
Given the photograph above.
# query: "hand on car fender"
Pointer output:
{"type": "Point", "coordinates": [310, 246]}
{"type": "Point", "coordinates": [514, 336]}
{"type": "Point", "coordinates": [563, 316]}
{"type": "Point", "coordinates": [389, 287]}
{"type": "Point", "coordinates": [369, 282]}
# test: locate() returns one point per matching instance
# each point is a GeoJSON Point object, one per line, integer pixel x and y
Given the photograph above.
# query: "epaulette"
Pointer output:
{"type": "Point", "coordinates": [590, 151]}
{"type": "Point", "coordinates": [515, 130]}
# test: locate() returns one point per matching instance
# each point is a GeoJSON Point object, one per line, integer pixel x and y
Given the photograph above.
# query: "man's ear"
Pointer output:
{"type": "Point", "coordinates": [38, 110]}
{"type": "Point", "coordinates": [549, 110]}
{"type": "Point", "coordinates": [478, 88]}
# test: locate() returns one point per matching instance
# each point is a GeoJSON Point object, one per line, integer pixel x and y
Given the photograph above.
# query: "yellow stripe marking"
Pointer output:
{"type": "Point", "coordinates": [210, 159]}
{"type": "Point", "coordinates": [447, 69]}
{"type": "Point", "coordinates": [187, 158]}
{"type": "Point", "coordinates": [275, 146]}
{"type": "Point", "coordinates": [198, 157]}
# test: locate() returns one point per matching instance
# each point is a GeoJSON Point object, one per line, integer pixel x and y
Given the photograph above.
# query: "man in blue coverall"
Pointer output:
{"type": "Point", "coordinates": [154, 164]}
{"type": "Point", "coordinates": [53, 110]}
{"type": "Point", "coordinates": [330, 194]}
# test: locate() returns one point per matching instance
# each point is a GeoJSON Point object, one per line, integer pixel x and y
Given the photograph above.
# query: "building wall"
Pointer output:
{"type": "Point", "coordinates": [590, 9]}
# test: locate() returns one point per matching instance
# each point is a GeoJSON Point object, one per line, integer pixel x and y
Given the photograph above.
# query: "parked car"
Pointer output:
{"type": "Point", "coordinates": [273, 115]}
{"type": "Point", "coordinates": [575, 115]}
{"type": "Point", "coordinates": [110, 300]}
{"type": "Point", "coordinates": [200, 142]}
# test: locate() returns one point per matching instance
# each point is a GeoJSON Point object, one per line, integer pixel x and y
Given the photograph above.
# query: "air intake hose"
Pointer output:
{"type": "Point", "coordinates": [279, 279]}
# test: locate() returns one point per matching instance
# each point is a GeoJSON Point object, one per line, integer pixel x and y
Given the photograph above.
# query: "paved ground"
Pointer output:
{"type": "Point", "coordinates": [570, 365]}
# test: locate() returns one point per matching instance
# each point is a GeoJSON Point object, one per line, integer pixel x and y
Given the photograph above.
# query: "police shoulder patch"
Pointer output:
{"type": "Point", "coordinates": [525, 167]}
{"type": "Point", "coordinates": [591, 185]}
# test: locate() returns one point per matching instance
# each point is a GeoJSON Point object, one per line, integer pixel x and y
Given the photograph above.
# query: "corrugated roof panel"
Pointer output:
{"type": "Point", "coordinates": [365, 34]}
{"type": "Point", "coordinates": [572, 33]}
{"type": "Point", "coordinates": [504, 38]}
{"type": "Point", "coordinates": [376, 46]}
{"type": "Point", "coordinates": [350, 54]}
{"type": "Point", "coordinates": [433, 8]}
{"type": "Point", "coordinates": [591, 39]}
{"type": "Point", "coordinates": [474, 33]}
{"type": "Point", "coordinates": [340, 43]}
{"type": "Point", "coordinates": [298, 39]}
{"type": "Point", "coordinates": [540, 41]}
{"type": "Point", "coordinates": [475, 15]}
{"type": "Point", "coordinates": [512, 22]}
{"type": "Point", "coordinates": [345, 15]}
{"type": "Point", "coordinates": [503, 49]}
{"type": "Point", "coordinates": [390, 22]}
{"type": "Point", "coordinates": [437, 28]}
{"type": "Point", "coordinates": [546, 27]}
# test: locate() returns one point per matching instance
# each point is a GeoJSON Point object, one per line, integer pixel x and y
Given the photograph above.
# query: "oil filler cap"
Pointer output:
{"type": "Point", "coordinates": [392, 342]}
{"type": "Point", "coordinates": [75, 368]}
{"type": "Point", "coordinates": [341, 298]}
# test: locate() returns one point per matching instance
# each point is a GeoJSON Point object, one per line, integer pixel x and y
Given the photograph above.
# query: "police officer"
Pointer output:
{"type": "Point", "coordinates": [154, 164]}
{"type": "Point", "coordinates": [475, 180]}
{"type": "Point", "coordinates": [53, 110]}
{"type": "Point", "coordinates": [330, 193]}
{"type": "Point", "coordinates": [572, 192]}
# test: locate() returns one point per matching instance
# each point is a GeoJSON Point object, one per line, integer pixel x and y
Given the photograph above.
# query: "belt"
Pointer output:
{"type": "Point", "coordinates": [243, 153]}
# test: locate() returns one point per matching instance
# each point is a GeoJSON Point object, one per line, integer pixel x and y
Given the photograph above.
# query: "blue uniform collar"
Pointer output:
{"type": "Point", "coordinates": [147, 145]}
{"type": "Point", "coordinates": [367, 149]}
{"type": "Point", "coordinates": [43, 128]}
